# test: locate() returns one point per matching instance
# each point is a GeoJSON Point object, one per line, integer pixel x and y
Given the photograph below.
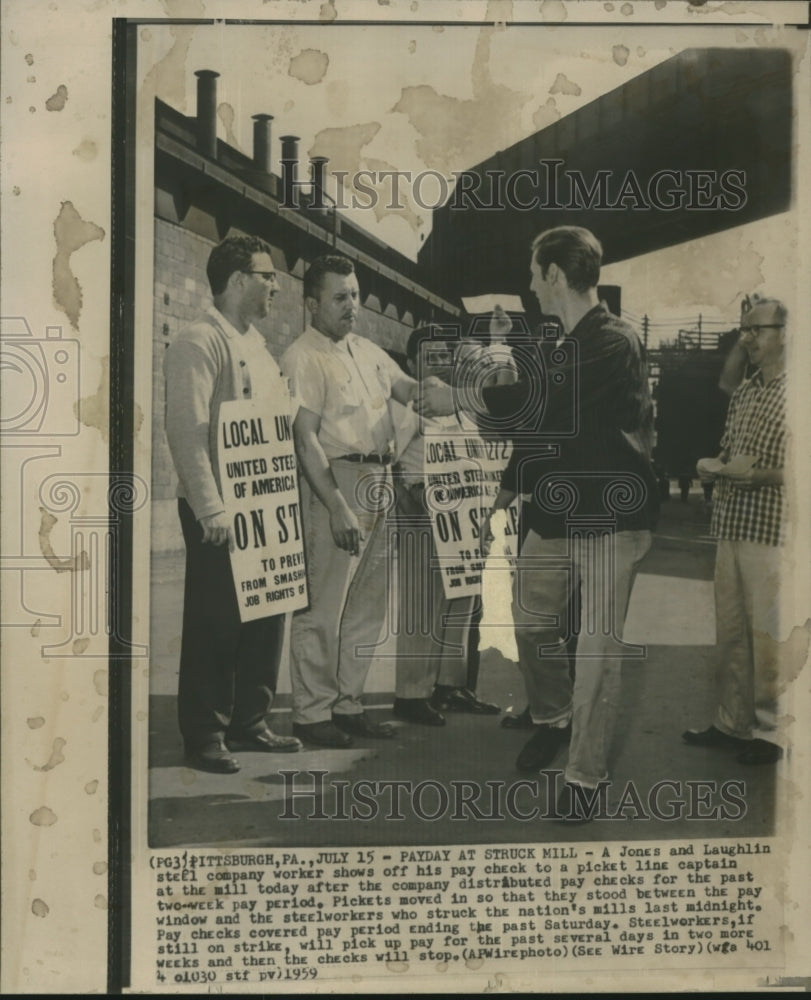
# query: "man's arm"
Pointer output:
{"type": "Point", "coordinates": [601, 376]}
{"type": "Point", "coordinates": [503, 500]}
{"type": "Point", "coordinates": [734, 368]}
{"type": "Point", "coordinates": [315, 466]}
{"type": "Point", "coordinates": [404, 388]}
{"type": "Point", "coordinates": [753, 479]}
{"type": "Point", "coordinates": [190, 381]}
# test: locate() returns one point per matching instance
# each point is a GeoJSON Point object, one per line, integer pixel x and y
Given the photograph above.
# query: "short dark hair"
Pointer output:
{"type": "Point", "coordinates": [328, 264]}
{"type": "Point", "coordinates": [575, 250]}
{"type": "Point", "coordinates": [233, 254]}
{"type": "Point", "coordinates": [419, 335]}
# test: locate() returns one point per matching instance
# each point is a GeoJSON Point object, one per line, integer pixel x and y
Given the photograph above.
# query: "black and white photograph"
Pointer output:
{"type": "Point", "coordinates": [444, 532]}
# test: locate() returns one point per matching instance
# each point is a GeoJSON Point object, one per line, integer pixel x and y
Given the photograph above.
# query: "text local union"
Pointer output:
{"type": "Point", "coordinates": [237, 433]}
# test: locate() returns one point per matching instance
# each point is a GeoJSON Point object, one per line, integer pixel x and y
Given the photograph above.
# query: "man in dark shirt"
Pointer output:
{"type": "Point", "coordinates": [592, 498]}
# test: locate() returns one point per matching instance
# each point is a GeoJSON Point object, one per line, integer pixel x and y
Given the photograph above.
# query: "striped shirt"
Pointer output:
{"type": "Point", "coordinates": [756, 426]}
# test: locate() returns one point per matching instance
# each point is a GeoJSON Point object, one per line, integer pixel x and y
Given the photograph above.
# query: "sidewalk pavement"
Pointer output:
{"type": "Point", "coordinates": [666, 690]}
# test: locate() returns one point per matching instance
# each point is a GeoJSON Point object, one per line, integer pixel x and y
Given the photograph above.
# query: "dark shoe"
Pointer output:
{"type": "Point", "coordinates": [418, 710]}
{"type": "Point", "coordinates": [448, 699]}
{"type": "Point", "coordinates": [760, 752]}
{"type": "Point", "coordinates": [213, 757]}
{"type": "Point", "coordinates": [264, 742]}
{"type": "Point", "coordinates": [323, 734]}
{"type": "Point", "coordinates": [713, 737]}
{"type": "Point", "coordinates": [361, 725]}
{"type": "Point", "coordinates": [542, 747]}
{"type": "Point", "coordinates": [522, 721]}
{"type": "Point", "coordinates": [577, 804]}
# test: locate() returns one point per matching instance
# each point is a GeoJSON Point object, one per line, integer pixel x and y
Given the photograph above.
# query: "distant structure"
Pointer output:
{"type": "Point", "coordinates": [690, 408]}
{"type": "Point", "coordinates": [715, 124]}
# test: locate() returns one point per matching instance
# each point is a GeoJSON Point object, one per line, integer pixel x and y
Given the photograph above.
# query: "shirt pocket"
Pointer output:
{"type": "Point", "coordinates": [342, 393]}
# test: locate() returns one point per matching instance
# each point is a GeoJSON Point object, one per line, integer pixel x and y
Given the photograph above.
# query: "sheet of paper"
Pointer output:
{"type": "Point", "coordinates": [487, 303]}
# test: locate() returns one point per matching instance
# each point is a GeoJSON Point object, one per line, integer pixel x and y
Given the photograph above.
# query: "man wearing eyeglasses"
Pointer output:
{"type": "Point", "coordinates": [228, 669]}
{"type": "Point", "coordinates": [750, 524]}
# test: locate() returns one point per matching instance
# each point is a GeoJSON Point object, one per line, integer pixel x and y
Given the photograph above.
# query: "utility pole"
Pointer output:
{"type": "Point", "coordinates": [699, 331]}
{"type": "Point", "coordinates": [645, 322]}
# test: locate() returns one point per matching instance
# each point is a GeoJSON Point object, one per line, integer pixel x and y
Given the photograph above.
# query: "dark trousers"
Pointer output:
{"type": "Point", "coordinates": [228, 669]}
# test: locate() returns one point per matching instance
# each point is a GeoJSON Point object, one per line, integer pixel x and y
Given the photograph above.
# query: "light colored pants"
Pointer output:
{"type": "Point", "coordinates": [747, 626]}
{"type": "Point", "coordinates": [433, 632]}
{"type": "Point", "coordinates": [546, 573]}
{"type": "Point", "coordinates": [332, 640]}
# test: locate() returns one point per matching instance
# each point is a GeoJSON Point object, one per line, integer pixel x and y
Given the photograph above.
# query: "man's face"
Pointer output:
{"type": "Point", "coordinates": [335, 311]}
{"type": "Point", "coordinates": [436, 358]}
{"type": "Point", "coordinates": [258, 287]}
{"type": "Point", "coordinates": [539, 286]}
{"type": "Point", "coordinates": [762, 335]}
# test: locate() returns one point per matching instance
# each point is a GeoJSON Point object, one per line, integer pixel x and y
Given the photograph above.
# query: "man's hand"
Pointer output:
{"type": "Point", "coordinates": [435, 399]}
{"type": "Point", "coordinates": [500, 326]}
{"type": "Point", "coordinates": [753, 479]}
{"type": "Point", "coordinates": [345, 529]}
{"type": "Point", "coordinates": [217, 530]}
{"type": "Point", "coordinates": [485, 537]}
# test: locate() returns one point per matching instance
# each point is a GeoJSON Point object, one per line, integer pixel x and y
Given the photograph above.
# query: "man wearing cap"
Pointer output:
{"type": "Point", "coordinates": [433, 644]}
{"type": "Point", "coordinates": [749, 521]}
{"type": "Point", "coordinates": [344, 440]}
{"type": "Point", "coordinates": [228, 669]}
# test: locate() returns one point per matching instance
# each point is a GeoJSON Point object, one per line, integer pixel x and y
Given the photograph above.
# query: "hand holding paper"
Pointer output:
{"type": "Point", "coordinates": [217, 530]}
{"type": "Point", "coordinates": [500, 325]}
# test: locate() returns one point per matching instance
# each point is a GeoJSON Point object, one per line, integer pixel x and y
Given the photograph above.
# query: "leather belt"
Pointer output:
{"type": "Point", "coordinates": [373, 459]}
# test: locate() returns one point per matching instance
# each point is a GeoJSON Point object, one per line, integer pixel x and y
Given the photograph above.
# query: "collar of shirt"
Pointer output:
{"type": "Point", "coordinates": [228, 327]}
{"type": "Point", "coordinates": [587, 320]}
{"type": "Point", "coordinates": [326, 343]}
{"type": "Point", "coordinates": [760, 382]}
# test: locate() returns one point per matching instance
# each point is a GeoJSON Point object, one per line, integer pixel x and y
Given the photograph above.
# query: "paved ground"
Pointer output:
{"type": "Point", "coordinates": [664, 692]}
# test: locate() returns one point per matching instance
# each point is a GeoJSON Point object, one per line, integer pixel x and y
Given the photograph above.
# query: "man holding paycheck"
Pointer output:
{"type": "Point", "coordinates": [344, 440]}
{"type": "Point", "coordinates": [228, 669]}
{"type": "Point", "coordinates": [596, 484]}
{"type": "Point", "coordinates": [434, 632]}
{"type": "Point", "coordinates": [749, 521]}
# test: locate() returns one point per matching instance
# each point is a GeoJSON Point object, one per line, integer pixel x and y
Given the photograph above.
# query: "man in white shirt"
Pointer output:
{"type": "Point", "coordinates": [228, 669]}
{"type": "Point", "coordinates": [344, 443]}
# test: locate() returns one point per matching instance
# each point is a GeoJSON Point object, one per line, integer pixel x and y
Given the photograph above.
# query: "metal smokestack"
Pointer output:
{"type": "Point", "coordinates": [261, 142]}
{"type": "Point", "coordinates": [289, 161]}
{"type": "Point", "coordinates": [317, 168]}
{"type": "Point", "coordinates": [207, 112]}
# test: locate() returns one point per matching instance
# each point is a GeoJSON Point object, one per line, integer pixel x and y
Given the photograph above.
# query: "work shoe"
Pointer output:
{"type": "Point", "coordinates": [522, 721]}
{"type": "Point", "coordinates": [264, 742]}
{"type": "Point", "coordinates": [713, 737]}
{"type": "Point", "coordinates": [213, 756]}
{"type": "Point", "coordinates": [361, 725]}
{"type": "Point", "coordinates": [418, 710]}
{"type": "Point", "coordinates": [542, 747]}
{"type": "Point", "coordinates": [760, 752]}
{"type": "Point", "coordinates": [451, 699]}
{"type": "Point", "coordinates": [576, 804]}
{"type": "Point", "coordinates": [323, 734]}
